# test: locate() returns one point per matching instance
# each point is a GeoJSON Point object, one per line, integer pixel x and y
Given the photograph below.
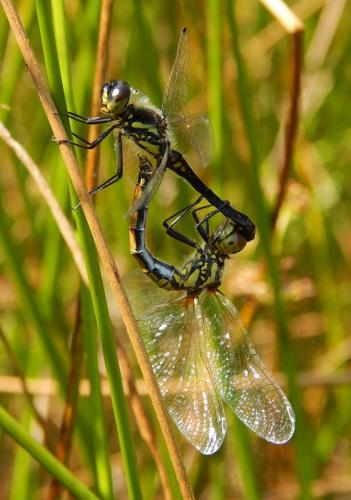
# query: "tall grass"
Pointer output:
{"type": "Point", "coordinates": [294, 276]}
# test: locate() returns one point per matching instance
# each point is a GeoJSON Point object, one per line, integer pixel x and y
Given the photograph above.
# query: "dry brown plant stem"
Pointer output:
{"type": "Point", "coordinates": [49, 197]}
{"type": "Point", "coordinates": [143, 423]}
{"type": "Point", "coordinates": [70, 410]}
{"type": "Point", "coordinates": [24, 386]}
{"type": "Point", "coordinates": [293, 26]}
{"type": "Point", "coordinates": [292, 123]}
{"type": "Point", "coordinates": [106, 257]}
{"type": "Point", "coordinates": [91, 178]}
{"type": "Point", "coordinates": [92, 163]}
{"type": "Point", "coordinates": [91, 174]}
{"type": "Point", "coordinates": [261, 43]}
{"type": "Point", "coordinates": [48, 386]}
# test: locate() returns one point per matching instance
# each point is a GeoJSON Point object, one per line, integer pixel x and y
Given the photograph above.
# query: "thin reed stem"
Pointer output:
{"type": "Point", "coordinates": [293, 118]}
{"type": "Point", "coordinates": [265, 231]}
{"type": "Point", "coordinates": [44, 457]}
{"type": "Point", "coordinates": [101, 245]}
{"type": "Point", "coordinates": [64, 445]}
{"type": "Point", "coordinates": [93, 155]}
{"type": "Point", "coordinates": [49, 197]}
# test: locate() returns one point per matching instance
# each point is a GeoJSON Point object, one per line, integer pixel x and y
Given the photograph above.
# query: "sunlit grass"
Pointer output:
{"type": "Point", "coordinates": [295, 278]}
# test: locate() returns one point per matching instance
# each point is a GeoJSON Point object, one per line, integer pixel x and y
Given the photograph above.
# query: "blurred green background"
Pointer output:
{"type": "Point", "coordinates": [293, 287]}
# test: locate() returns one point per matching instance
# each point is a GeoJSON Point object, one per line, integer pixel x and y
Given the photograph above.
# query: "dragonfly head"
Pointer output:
{"type": "Point", "coordinates": [115, 97]}
{"type": "Point", "coordinates": [228, 238]}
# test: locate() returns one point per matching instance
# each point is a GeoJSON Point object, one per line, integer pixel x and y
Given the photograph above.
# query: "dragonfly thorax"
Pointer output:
{"type": "Point", "coordinates": [203, 270]}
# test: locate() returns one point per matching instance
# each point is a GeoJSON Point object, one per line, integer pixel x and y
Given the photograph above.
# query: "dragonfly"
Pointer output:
{"type": "Point", "coordinates": [130, 115]}
{"type": "Point", "coordinates": [198, 346]}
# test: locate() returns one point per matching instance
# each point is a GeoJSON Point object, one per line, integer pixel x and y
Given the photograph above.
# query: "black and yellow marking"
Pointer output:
{"type": "Point", "coordinates": [165, 275]}
{"type": "Point", "coordinates": [148, 128]}
{"type": "Point", "coordinates": [203, 270]}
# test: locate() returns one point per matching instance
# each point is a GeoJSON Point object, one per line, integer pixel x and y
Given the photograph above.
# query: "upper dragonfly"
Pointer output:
{"type": "Point", "coordinates": [198, 346]}
{"type": "Point", "coordinates": [157, 131]}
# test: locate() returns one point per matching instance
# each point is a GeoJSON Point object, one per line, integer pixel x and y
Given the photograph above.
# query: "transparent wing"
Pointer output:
{"type": "Point", "coordinates": [131, 154]}
{"type": "Point", "coordinates": [188, 130]}
{"type": "Point", "coordinates": [242, 379]}
{"type": "Point", "coordinates": [175, 97]}
{"type": "Point", "coordinates": [195, 131]}
{"type": "Point", "coordinates": [152, 186]}
{"type": "Point", "coordinates": [172, 334]}
{"type": "Point", "coordinates": [145, 297]}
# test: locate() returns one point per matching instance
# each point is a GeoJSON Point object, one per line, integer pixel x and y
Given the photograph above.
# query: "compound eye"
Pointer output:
{"type": "Point", "coordinates": [120, 91]}
{"type": "Point", "coordinates": [115, 96]}
{"type": "Point", "coordinates": [104, 93]}
{"type": "Point", "coordinates": [233, 243]}
{"type": "Point", "coordinates": [105, 88]}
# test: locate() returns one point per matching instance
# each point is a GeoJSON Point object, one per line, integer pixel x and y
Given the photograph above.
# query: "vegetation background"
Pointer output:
{"type": "Point", "coordinates": [292, 283]}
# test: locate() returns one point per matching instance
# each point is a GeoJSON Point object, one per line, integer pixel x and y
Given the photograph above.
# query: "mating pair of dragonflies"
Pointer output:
{"type": "Point", "coordinates": [198, 346]}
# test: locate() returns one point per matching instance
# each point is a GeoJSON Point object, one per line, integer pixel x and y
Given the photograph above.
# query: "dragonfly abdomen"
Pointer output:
{"type": "Point", "coordinates": [163, 274]}
{"type": "Point", "coordinates": [180, 166]}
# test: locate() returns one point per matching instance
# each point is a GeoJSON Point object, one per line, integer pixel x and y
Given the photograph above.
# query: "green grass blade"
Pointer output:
{"type": "Point", "coordinates": [11, 63]}
{"type": "Point", "coordinates": [22, 476]}
{"type": "Point", "coordinates": [99, 430]}
{"type": "Point", "coordinates": [240, 442]}
{"type": "Point", "coordinates": [56, 68]}
{"type": "Point", "coordinates": [53, 251]}
{"type": "Point", "coordinates": [53, 240]}
{"type": "Point", "coordinates": [28, 299]}
{"type": "Point", "coordinates": [46, 459]}
{"type": "Point", "coordinates": [111, 361]}
{"type": "Point", "coordinates": [263, 222]}
{"type": "Point", "coordinates": [60, 31]}
{"type": "Point", "coordinates": [215, 88]}
{"type": "Point", "coordinates": [61, 190]}
{"type": "Point", "coordinates": [150, 62]}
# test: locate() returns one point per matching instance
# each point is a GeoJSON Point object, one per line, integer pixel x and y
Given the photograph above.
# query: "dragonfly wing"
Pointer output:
{"type": "Point", "coordinates": [131, 160]}
{"type": "Point", "coordinates": [172, 335]}
{"type": "Point", "coordinates": [244, 382]}
{"type": "Point", "coordinates": [176, 93]}
{"type": "Point", "coordinates": [152, 186]}
{"type": "Point", "coordinates": [188, 130]}
{"type": "Point", "coordinates": [144, 295]}
{"type": "Point", "coordinates": [195, 131]}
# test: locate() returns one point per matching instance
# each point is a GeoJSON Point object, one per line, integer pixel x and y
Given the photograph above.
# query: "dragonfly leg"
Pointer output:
{"type": "Point", "coordinates": [180, 166]}
{"type": "Point", "coordinates": [163, 274]}
{"type": "Point", "coordinates": [119, 172]}
{"type": "Point", "coordinates": [88, 145]}
{"type": "Point", "coordinates": [92, 120]}
{"type": "Point", "coordinates": [80, 138]}
{"type": "Point", "coordinates": [115, 177]}
{"type": "Point", "coordinates": [202, 225]}
{"type": "Point", "coordinates": [175, 218]}
{"type": "Point", "coordinates": [152, 182]}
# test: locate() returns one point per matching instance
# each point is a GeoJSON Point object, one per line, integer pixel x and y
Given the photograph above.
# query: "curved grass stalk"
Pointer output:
{"type": "Point", "coordinates": [264, 226]}
{"type": "Point", "coordinates": [45, 458]}
{"type": "Point", "coordinates": [104, 252]}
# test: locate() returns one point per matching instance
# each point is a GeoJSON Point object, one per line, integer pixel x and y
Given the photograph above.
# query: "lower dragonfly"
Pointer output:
{"type": "Point", "coordinates": [159, 132]}
{"type": "Point", "coordinates": [198, 346]}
